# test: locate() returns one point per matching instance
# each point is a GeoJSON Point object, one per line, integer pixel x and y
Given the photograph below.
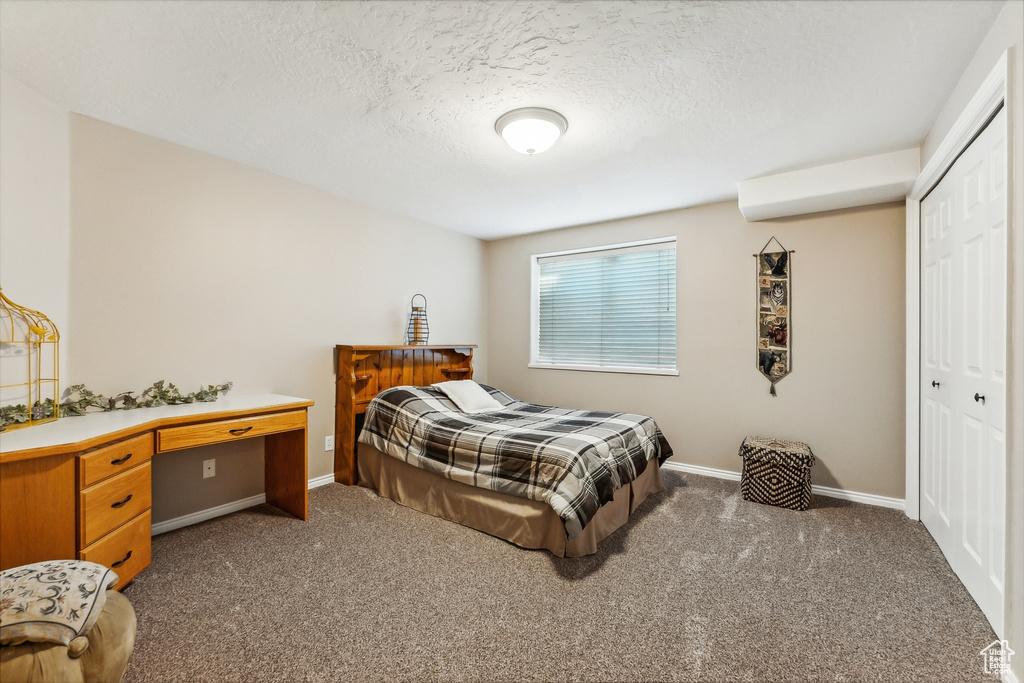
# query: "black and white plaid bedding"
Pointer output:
{"type": "Point", "coordinates": [573, 460]}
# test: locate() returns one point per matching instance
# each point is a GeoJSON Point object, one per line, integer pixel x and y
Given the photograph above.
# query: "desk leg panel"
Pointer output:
{"type": "Point", "coordinates": [37, 510]}
{"type": "Point", "coordinates": [286, 477]}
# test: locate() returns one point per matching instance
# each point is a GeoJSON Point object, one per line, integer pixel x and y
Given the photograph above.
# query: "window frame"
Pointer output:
{"type": "Point", "coordinates": [535, 312]}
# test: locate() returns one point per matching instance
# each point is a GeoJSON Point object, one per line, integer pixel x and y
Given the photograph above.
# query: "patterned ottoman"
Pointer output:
{"type": "Point", "coordinates": [62, 621]}
{"type": "Point", "coordinates": [776, 472]}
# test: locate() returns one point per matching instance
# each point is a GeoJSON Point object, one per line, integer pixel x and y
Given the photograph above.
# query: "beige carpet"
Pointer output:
{"type": "Point", "coordinates": [700, 586]}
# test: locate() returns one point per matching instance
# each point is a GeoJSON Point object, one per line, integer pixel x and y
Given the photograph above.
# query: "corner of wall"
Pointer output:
{"type": "Point", "coordinates": [35, 197]}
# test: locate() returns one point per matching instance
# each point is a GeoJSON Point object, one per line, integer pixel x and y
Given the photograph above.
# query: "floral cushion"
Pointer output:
{"type": "Point", "coordinates": [52, 602]}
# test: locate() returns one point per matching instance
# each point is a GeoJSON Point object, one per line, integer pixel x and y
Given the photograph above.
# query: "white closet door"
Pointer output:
{"type": "Point", "coordinates": [963, 425]}
{"type": "Point", "coordinates": [938, 471]}
{"type": "Point", "coordinates": [981, 242]}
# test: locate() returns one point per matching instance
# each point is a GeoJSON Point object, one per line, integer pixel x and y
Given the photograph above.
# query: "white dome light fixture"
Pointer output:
{"type": "Point", "coordinates": [531, 130]}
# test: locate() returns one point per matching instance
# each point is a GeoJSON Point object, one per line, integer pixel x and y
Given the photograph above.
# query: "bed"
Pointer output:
{"type": "Point", "coordinates": [536, 476]}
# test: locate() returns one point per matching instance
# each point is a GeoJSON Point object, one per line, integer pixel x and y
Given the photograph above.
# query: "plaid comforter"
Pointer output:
{"type": "Point", "coordinates": [573, 460]}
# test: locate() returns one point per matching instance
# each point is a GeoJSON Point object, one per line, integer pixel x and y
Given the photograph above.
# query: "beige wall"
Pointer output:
{"type": "Point", "coordinates": [1007, 33]}
{"type": "Point", "coordinates": [845, 394]}
{"type": "Point", "coordinates": [34, 196]}
{"type": "Point", "coordinates": [194, 269]}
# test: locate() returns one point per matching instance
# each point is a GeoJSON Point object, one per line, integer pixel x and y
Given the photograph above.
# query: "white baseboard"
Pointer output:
{"type": "Point", "coordinates": [209, 513]}
{"type": "Point", "coordinates": [703, 471]}
{"type": "Point", "coordinates": [858, 497]}
{"type": "Point", "coordinates": [227, 508]}
{"type": "Point", "coordinates": [321, 481]}
{"type": "Point", "coordinates": [853, 496]}
{"type": "Point", "coordinates": [1009, 677]}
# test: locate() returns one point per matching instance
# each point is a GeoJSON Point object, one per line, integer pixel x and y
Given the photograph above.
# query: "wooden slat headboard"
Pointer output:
{"type": "Point", "coordinates": [364, 371]}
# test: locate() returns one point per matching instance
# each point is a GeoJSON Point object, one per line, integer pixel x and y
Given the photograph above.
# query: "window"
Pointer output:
{"type": "Point", "coordinates": [610, 309]}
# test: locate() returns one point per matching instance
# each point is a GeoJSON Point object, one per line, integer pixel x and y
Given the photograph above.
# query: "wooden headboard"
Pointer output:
{"type": "Point", "coordinates": [365, 371]}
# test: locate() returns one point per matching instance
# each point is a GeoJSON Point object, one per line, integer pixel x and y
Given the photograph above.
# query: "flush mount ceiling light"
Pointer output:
{"type": "Point", "coordinates": [531, 130]}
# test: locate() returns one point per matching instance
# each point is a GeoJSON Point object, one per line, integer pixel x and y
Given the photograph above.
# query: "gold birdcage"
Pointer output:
{"type": "Point", "coordinates": [29, 367]}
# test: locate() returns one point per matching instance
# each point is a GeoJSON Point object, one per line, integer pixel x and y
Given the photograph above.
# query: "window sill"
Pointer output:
{"type": "Point", "coordinates": [601, 368]}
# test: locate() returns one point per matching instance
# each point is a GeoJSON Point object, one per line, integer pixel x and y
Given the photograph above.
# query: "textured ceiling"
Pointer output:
{"type": "Point", "coordinates": [669, 104]}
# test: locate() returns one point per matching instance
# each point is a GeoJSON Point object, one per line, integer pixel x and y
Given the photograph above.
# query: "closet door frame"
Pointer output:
{"type": "Point", "coordinates": [981, 108]}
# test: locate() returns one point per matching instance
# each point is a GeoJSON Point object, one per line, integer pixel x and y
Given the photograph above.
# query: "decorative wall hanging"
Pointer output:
{"type": "Point", "coordinates": [417, 332]}
{"type": "Point", "coordinates": [774, 357]}
{"type": "Point", "coordinates": [29, 366]}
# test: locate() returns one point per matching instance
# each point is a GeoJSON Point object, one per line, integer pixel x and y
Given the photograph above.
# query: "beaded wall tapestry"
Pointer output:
{"type": "Point", "coordinates": [774, 355]}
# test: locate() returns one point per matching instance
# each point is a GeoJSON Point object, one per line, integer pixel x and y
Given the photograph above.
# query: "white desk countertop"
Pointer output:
{"type": "Point", "coordinates": [78, 428]}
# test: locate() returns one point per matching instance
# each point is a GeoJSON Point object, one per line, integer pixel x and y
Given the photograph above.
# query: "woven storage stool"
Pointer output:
{"type": "Point", "coordinates": [776, 472]}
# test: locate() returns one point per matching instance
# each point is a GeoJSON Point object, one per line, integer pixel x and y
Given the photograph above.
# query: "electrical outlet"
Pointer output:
{"type": "Point", "coordinates": [328, 443]}
{"type": "Point", "coordinates": [209, 468]}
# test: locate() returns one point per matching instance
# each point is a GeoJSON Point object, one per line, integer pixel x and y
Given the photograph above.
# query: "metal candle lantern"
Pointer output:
{"type": "Point", "coordinates": [418, 330]}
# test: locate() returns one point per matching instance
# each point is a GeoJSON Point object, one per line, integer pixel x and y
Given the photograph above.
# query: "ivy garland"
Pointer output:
{"type": "Point", "coordinates": [77, 400]}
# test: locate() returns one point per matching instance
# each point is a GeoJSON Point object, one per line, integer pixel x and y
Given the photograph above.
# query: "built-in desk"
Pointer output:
{"type": "Point", "coordinates": [80, 487]}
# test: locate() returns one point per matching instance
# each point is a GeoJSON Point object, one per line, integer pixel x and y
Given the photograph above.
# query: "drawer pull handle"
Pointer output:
{"type": "Point", "coordinates": [121, 503]}
{"type": "Point", "coordinates": [121, 460]}
{"type": "Point", "coordinates": [243, 430]}
{"type": "Point", "coordinates": [121, 561]}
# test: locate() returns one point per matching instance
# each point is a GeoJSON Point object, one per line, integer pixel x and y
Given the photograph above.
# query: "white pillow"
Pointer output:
{"type": "Point", "coordinates": [469, 396]}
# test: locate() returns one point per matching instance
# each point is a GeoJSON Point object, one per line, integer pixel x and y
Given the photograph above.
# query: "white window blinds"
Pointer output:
{"type": "Point", "coordinates": [612, 308]}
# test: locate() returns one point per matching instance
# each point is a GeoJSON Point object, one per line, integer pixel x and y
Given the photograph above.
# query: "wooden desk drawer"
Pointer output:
{"type": "Point", "coordinates": [190, 436]}
{"type": "Point", "coordinates": [109, 460]}
{"type": "Point", "coordinates": [113, 502]}
{"type": "Point", "coordinates": [129, 548]}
